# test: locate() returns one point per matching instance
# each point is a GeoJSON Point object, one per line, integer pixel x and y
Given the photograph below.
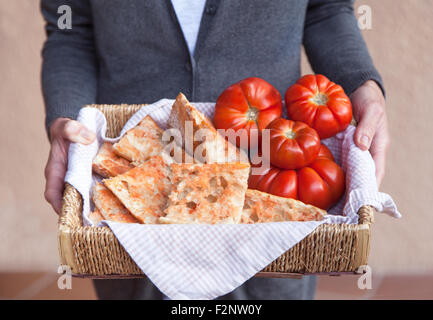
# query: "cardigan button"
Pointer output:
{"type": "Point", "coordinates": [211, 10]}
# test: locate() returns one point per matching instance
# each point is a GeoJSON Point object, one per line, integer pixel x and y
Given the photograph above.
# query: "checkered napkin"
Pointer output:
{"type": "Point", "coordinates": [207, 261]}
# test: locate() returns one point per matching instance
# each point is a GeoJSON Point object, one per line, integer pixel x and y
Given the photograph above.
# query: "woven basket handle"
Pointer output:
{"type": "Point", "coordinates": [366, 215]}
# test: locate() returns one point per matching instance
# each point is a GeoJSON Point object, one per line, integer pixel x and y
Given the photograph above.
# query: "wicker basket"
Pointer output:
{"type": "Point", "coordinates": [95, 252]}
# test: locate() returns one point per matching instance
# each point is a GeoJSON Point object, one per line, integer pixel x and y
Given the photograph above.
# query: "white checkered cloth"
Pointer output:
{"type": "Point", "coordinates": [207, 261]}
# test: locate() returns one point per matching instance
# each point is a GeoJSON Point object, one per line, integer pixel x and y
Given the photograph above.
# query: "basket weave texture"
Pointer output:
{"type": "Point", "coordinates": [96, 252]}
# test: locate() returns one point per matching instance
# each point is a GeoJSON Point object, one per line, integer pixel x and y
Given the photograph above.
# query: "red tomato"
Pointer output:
{"type": "Point", "coordinates": [250, 104]}
{"type": "Point", "coordinates": [321, 184]}
{"type": "Point", "coordinates": [324, 152]}
{"type": "Point", "coordinates": [283, 183]}
{"type": "Point", "coordinates": [292, 145]}
{"type": "Point", "coordinates": [320, 103]}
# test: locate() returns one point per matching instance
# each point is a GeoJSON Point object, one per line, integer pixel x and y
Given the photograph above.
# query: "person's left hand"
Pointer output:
{"type": "Point", "coordinates": [368, 105]}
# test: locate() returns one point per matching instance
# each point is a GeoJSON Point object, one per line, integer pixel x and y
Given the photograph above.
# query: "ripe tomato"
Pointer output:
{"type": "Point", "coordinates": [321, 184]}
{"type": "Point", "coordinates": [320, 103]}
{"type": "Point", "coordinates": [250, 104]}
{"type": "Point", "coordinates": [324, 152]}
{"type": "Point", "coordinates": [292, 144]}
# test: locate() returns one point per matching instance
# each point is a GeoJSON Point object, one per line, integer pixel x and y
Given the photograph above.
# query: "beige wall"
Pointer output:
{"type": "Point", "coordinates": [28, 226]}
{"type": "Point", "coordinates": [400, 43]}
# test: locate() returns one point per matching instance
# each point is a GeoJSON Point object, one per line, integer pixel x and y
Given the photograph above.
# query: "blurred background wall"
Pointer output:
{"type": "Point", "coordinates": [401, 47]}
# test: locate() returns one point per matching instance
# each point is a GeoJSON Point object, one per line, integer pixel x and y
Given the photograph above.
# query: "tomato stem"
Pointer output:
{"type": "Point", "coordinates": [290, 134]}
{"type": "Point", "coordinates": [320, 99]}
{"type": "Point", "coordinates": [252, 114]}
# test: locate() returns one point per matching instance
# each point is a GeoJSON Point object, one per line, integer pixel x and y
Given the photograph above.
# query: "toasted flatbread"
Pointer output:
{"type": "Point", "coordinates": [108, 164]}
{"type": "Point", "coordinates": [141, 142]}
{"type": "Point", "coordinates": [144, 189]}
{"type": "Point", "coordinates": [199, 137]}
{"type": "Point", "coordinates": [145, 141]}
{"type": "Point", "coordinates": [109, 206]}
{"type": "Point", "coordinates": [207, 193]}
{"type": "Point", "coordinates": [95, 216]}
{"type": "Point", "coordinates": [264, 207]}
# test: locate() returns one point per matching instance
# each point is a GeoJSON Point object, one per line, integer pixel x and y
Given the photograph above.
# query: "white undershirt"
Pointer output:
{"type": "Point", "coordinates": [189, 13]}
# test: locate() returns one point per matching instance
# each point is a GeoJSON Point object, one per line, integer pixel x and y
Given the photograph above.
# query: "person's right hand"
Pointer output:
{"type": "Point", "coordinates": [63, 131]}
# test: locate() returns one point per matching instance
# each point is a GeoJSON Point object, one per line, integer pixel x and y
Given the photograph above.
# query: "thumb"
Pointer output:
{"type": "Point", "coordinates": [367, 126]}
{"type": "Point", "coordinates": [73, 131]}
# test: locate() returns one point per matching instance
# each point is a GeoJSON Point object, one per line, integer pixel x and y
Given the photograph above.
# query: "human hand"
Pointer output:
{"type": "Point", "coordinates": [372, 131]}
{"type": "Point", "coordinates": [63, 131]}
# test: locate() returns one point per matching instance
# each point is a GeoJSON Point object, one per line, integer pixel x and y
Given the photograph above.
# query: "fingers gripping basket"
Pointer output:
{"type": "Point", "coordinates": [95, 251]}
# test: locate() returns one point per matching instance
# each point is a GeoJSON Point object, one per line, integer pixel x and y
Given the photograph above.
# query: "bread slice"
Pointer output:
{"type": "Point", "coordinates": [264, 207]}
{"type": "Point", "coordinates": [141, 142]}
{"type": "Point", "coordinates": [144, 189]}
{"type": "Point", "coordinates": [193, 125]}
{"type": "Point", "coordinates": [145, 141]}
{"type": "Point", "coordinates": [109, 206]}
{"type": "Point", "coordinates": [207, 193]}
{"type": "Point", "coordinates": [108, 164]}
{"type": "Point", "coordinates": [95, 216]}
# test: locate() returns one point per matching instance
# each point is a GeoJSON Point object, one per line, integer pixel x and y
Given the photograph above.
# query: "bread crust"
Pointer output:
{"type": "Point", "coordinates": [264, 207]}
{"type": "Point", "coordinates": [207, 193]}
{"type": "Point", "coordinates": [109, 206]}
{"type": "Point", "coordinates": [95, 216]}
{"type": "Point", "coordinates": [141, 142]}
{"type": "Point", "coordinates": [109, 164]}
{"type": "Point", "coordinates": [144, 189]}
{"type": "Point", "coordinates": [193, 125]}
